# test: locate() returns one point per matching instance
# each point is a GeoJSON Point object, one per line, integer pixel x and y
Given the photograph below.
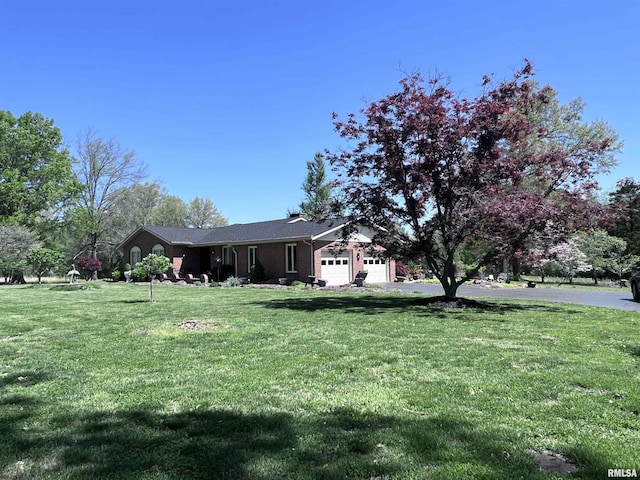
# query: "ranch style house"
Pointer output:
{"type": "Point", "coordinates": [293, 248]}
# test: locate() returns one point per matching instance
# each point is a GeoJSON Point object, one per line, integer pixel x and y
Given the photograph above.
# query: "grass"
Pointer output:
{"type": "Point", "coordinates": [298, 384]}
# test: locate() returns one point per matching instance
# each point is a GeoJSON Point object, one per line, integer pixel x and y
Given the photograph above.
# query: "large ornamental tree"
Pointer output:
{"type": "Point", "coordinates": [435, 173]}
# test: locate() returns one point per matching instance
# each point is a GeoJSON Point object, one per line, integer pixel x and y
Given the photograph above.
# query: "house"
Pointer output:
{"type": "Point", "coordinates": [294, 248]}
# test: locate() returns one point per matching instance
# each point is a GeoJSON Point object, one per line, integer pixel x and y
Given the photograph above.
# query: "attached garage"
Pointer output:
{"type": "Point", "coordinates": [335, 269]}
{"type": "Point", "coordinates": [376, 268]}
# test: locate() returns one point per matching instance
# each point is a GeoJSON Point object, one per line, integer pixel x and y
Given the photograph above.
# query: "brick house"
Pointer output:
{"type": "Point", "coordinates": [292, 248]}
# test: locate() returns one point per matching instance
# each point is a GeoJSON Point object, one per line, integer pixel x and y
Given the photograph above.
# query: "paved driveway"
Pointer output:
{"type": "Point", "coordinates": [610, 299]}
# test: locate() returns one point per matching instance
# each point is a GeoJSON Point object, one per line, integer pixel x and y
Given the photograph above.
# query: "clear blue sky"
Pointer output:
{"type": "Point", "coordinates": [228, 100]}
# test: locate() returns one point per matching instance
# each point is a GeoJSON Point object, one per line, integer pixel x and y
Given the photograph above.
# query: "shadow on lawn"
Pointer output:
{"type": "Point", "coordinates": [228, 445]}
{"type": "Point", "coordinates": [224, 444]}
{"type": "Point", "coordinates": [380, 304]}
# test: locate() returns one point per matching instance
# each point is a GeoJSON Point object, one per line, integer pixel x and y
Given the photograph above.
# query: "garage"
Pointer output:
{"type": "Point", "coordinates": [377, 270]}
{"type": "Point", "coordinates": [335, 269]}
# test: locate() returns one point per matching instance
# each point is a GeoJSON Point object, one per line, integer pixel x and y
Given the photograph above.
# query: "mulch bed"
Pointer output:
{"type": "Point", "coordinates": [444, 302]}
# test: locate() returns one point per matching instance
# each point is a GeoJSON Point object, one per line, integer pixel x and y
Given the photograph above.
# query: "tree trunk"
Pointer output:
{"type": "Point", "coordinates": [448, 281]}
{"type": "Point", "coordinates": [151, 290]}
{"type": "Point", "coordinates": [94, 254]}
{"type": "Point", "coordinates": [515, 267]}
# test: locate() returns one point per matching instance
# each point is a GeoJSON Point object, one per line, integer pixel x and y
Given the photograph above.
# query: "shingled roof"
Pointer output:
{"type": "Point", "coordinates": [272, 230]}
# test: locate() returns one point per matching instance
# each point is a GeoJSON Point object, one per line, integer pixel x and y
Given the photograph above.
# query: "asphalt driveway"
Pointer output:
{"type": "Point", "coordinates": [620, 300]}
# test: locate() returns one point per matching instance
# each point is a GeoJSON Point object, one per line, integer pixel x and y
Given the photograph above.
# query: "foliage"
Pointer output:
{"type": "Point", "coordinates": [231, 282]}
{"type": "Point", "coordinates": [103, 168]}
{"type": "Point", "coordinates": [625, 201]}
{"type": "Point", "coordinates": [257, 273]}
{"type": "Point", "coordinates": [91, 266]}
{"type": "Point", "coordinates": [433, 173]}
{"type": "Point", "coordinates": [401, 270]}
{"type": "Point", "coordinates": [116, 275]}
{"type": "Point", "coordinates": [570, 259]}
{"type": "Point", "coordinates": [170, 212]}
{"type": "Point", "coordinates": [202, 213]}
{"type": "Point", "coordinates": [153, 265]}
{"type": "Point", "coordinates": [139, 274]}
{"type": "Point", "coordinates": [317, 189]}
{"type": "Point", "coordinates": [604, 253]}
{"type": "Point", "coordinates": [43, 261]}
{"type": "Point", "coordinates": [35, 168]}
{"type": "Point", "coordinates": [15, 244]}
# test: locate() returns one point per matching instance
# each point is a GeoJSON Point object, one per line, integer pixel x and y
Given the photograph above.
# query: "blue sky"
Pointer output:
{"type": "Point", "coordinates": [228, 100]}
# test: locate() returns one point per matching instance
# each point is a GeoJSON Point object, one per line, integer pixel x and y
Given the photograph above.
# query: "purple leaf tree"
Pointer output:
{"type": "Point", "coordinates": [434, 173]}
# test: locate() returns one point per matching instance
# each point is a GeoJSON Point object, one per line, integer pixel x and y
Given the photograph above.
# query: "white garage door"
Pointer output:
{"type": "Point", "coordinates": [377, 270]}
{"type": "Point", "coordinates": [335, 269]}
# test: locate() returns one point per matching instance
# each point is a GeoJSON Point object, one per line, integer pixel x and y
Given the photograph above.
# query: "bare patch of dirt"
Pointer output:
{"type": "Point", "coordinates": [195, 325]}
{"type": "Point", "coordinates": [553, 462]}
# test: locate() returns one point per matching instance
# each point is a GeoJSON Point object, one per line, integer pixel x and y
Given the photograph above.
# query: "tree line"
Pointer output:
{"type": "Point", "coordinates": [59, 207]}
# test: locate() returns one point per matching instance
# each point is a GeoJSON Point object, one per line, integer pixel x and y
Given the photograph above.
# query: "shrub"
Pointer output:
{"type": "Point", "coordinates": [402, 270]}
{"type": "Point", "coordinates": [89, 265]}
{"type": "Point", "coordinates": [257, 273]}
{"type": "Point", "coordinates": [127, 267]}
{"type": "Point", "coordinates": [226, 271]}
{"type": "Point", "coordinates": [231, 282]}
{"type": "Point", "coordinates": [139, 274]}
{"type": "Point", "coordinates": [116, 275]}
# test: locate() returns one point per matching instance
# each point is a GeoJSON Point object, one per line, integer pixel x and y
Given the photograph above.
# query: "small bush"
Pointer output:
{"type": "Point", "coordinates": [116, 275]}
{"type": "Point", "coordinates": [231, 282]}
{"type": "Point", "coordinates": [257, 274]}
{"type": "Point", "coordinates": [402, 270]}
{"type": "Point", "coordinates": [127, 267]}
{"type": "Point", "coordinates": [139, 274]}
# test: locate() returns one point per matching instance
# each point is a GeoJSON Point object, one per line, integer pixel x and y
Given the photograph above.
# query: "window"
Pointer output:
{"type": "Point", "coordinates": [135, 255]}
{"type": "Point", "coordinates": [158, 249]}
{"type": "Point", "coordinates": [291, 258]}
{"type": "Point", "coordinates": [253, 256]}
{"type": "Point", "coordinates": [226, 256]}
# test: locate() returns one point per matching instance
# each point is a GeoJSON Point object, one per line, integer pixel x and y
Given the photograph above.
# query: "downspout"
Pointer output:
{"type": "Point", "coordinates": [235, 261]}
{"type": "Point", "coordinates": [313, 260]}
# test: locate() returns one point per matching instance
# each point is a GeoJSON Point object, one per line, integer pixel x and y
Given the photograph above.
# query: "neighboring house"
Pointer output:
{"type": "Point", "coordinates": [292, 248]}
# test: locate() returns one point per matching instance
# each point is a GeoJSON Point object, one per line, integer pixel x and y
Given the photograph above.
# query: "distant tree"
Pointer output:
{"type": "Point", "coordinates": [202, 213]}
{"type": "Point", "coordinates": [135, 205]}
{"type": "Point", "coordinates": [568, 257]}
{"type": "Point", "coordinates": [605, 253]}
{"type": "Point", "coordinates": [430, 172]}
{"type": "Point", "coordinates": [35, 168]}
{"type": "Point", "coordinates": [625, 201]}
{"type": "Point", "coordinates": [43, 261]}
{"type": "Point", "coordinates": [15, 244]}
{"type": "Point", "coordinates": [600, 250]}
{"type": "Point", "coordinates": [171, 212]}
{"type": "Point", "coordinates": [103, 168]}
{"type": "Point", "coordinates": [153, 265]}
{"type": "Point", "coordinates": [317, 189]}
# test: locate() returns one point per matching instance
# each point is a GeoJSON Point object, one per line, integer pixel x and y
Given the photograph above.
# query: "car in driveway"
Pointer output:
{"type": "Point", "coordinates": [635, 286]}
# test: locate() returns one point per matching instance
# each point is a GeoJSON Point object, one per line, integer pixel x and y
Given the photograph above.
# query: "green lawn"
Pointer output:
{"type": "Point", "coordinates": [297, 384]}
